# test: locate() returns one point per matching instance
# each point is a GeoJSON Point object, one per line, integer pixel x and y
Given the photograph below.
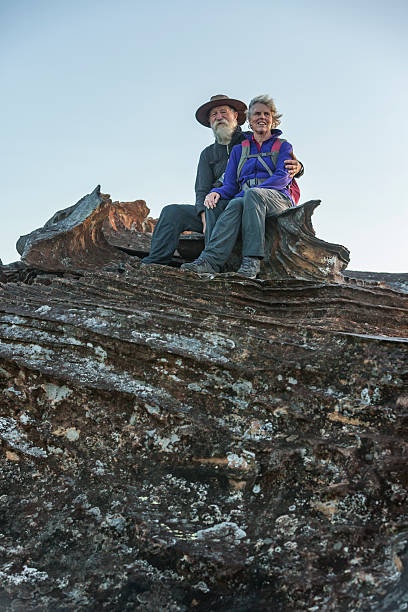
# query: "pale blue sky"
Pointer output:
{"type": "Point", "coordinates": [105, 92]}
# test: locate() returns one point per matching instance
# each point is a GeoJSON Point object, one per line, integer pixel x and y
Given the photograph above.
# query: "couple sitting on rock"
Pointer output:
{"type": "Point", "coordinates": [242, 178]}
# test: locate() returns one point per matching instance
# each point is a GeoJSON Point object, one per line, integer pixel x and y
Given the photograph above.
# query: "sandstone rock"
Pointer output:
{"type": "Point", "coordinates": [96, 232]}
{"type": "Point", "coordinates": [85, 235]}
{"type": "Point", "coordinates": [293, 251]}
{"type": "Point", "coordinates": [128, 227]}
{"type": "Point", "coordinates": [171, 442]}
{"type": "Point", "coordinates": [396, 281]}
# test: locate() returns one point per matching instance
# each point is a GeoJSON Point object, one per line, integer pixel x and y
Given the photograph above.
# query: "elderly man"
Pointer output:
{"type": "Point", "coordinates": [225, 116]}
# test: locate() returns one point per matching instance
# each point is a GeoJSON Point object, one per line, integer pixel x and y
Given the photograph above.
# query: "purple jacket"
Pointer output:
{"type": "Point", "coordinates": [253, 169]}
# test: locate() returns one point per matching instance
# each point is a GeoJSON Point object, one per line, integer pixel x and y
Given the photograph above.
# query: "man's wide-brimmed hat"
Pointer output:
{"type": "Point", "coordinates": [220, 100]}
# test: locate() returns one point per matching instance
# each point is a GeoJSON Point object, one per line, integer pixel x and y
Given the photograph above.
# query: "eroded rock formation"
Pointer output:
{"type": "Point", "coordinates": [96, 232]}
{"type": "Point", "coordinates": [172, 442]}
{"type": "Point", "coordinates": [92, 233]}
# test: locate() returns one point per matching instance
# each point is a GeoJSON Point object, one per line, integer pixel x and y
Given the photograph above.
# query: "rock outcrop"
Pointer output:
{"type": "Point", "coordinates": [88, 235]}
{"type": "Point", "coordinates": [96, 232]}
{"type": "Point", "coordinates": [173, 442]}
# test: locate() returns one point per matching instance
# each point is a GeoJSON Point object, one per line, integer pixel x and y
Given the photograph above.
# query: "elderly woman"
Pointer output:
{"type": "Point", "coordinates": [258, 182]}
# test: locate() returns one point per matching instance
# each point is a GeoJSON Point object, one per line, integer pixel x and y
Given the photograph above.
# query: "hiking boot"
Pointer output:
{"type": "Point", "coordinates": [199, 266]}
{"type": "Point", "coordinates": [250, 267]}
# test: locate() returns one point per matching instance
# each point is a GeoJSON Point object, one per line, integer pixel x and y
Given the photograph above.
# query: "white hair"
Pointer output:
{"type": "Point", "coordinates": [268, 101]}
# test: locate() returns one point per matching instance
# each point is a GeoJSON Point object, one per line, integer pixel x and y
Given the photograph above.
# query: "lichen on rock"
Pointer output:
{"type": "Point", "coordinates": [175, 442]}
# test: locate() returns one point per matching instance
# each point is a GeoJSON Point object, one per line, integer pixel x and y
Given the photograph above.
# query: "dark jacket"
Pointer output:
{"type": "Point", "coordinates": [212, 164]}
{"type": "Point", "coordinates": [211, 167]}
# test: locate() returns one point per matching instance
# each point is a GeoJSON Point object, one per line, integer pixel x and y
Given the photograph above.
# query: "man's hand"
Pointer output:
{"type": "Point", "coordinates": [211, 199]}
{"type": "Point", "coordinates": [203, 221]}
{"type": "Point", "coordinates": [292, 166]}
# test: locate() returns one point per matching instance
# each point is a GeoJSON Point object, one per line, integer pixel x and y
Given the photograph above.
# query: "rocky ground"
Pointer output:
{"type": "Point", "coordinates": [172, 442]}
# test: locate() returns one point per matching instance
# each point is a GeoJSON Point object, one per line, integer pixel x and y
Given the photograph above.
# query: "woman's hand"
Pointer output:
{"type": "Point", "coordinates": [211, 199]}
{"type": "Point", "coordinates": [292, 166]}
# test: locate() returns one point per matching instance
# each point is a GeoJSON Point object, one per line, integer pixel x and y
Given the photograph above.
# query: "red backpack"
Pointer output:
{"type": "Point", "coordinates": [273, 154]}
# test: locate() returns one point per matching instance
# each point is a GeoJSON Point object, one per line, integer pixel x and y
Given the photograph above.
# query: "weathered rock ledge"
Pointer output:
{"type": "Point", "coordinates": [97, 232]}
{"type": "Point", "coordinates": [173, 442]}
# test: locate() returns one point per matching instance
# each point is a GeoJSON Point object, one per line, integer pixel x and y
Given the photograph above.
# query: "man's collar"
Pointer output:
{"type": "Point", "coordinates": [236, 136]}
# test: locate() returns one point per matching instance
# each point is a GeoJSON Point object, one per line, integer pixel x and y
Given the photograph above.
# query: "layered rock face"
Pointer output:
{"type": "Point", "coordinates": [174, 442]}
{"type": "Point", "coordinates": [97, 232]}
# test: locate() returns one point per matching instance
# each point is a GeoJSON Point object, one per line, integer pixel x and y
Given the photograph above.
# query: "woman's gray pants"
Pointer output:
{"type": "Point", "coordinates": [248, 214]}
{"type": "Point", "coordinates": [174, 220]}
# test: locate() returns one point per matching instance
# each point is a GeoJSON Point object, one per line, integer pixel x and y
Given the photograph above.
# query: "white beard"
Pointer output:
{"type": "Point", "coordinates": [223, 130]}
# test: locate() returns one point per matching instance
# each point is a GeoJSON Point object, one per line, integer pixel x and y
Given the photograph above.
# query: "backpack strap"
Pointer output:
{"type": "Point", "coordinates": [245, 154]}
{"type": "Point", "coordinates": [273, 154]}
{"type": "Point", "coordinates": [277, 144]}
{"type": "Point", "coordinates": [245, 148]}
{"type": "Point", "coordinates": [265, 165]}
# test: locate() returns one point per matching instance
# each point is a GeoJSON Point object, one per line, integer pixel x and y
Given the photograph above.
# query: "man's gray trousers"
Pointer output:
{"type": "Point", "coordinates": [248, 214]}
